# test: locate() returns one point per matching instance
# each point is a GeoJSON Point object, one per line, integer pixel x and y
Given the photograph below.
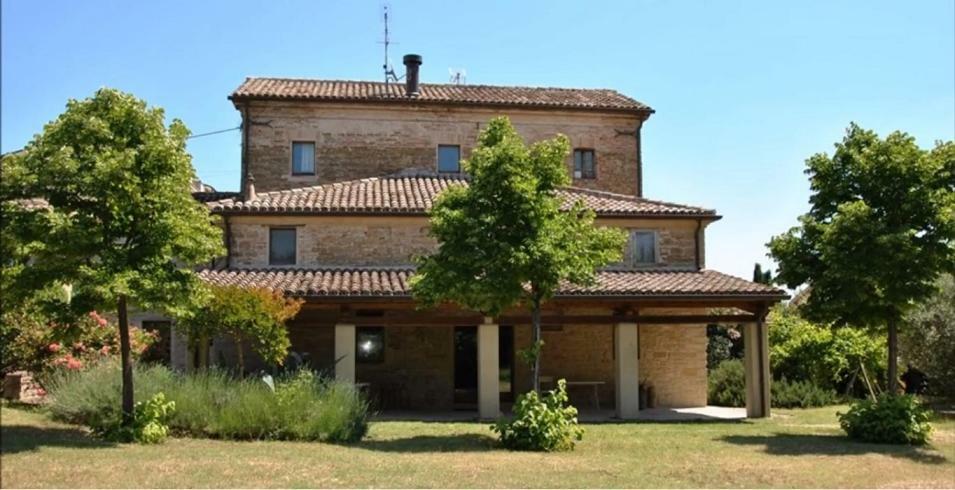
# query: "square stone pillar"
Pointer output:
{"type": "Point", "coordinates": [627, 366]}
{"type": "Point", "coordinates": [756, 369]}
{"type": "Point", "coordinates": [489, 378]}
{"type": "Point", "coordinates": [345, 352]}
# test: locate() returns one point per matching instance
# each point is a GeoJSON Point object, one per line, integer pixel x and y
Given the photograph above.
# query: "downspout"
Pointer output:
{"type": "Point", "coordinates": [228, 241]}
{"type": "Point", "coordinates": [696, 243]}
{"type": "Point", "coordinates": [245, 149]}
{"type": "Point", "coordinates": [636, 133]}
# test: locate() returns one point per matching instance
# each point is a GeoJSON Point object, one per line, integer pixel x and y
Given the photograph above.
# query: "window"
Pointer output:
{"type": "Point", "coordinates": [449, 158]}
{"type": "Point", "coordinates": [643, 247]}
{"type": "Point", "coordinates": [370, 344]}
{"type": "Point", "coordinates": [303, 158]}
{"type": "Point", "coordinates": [282, 246]}
{"type": "Point", "coordinates": [584, 166]}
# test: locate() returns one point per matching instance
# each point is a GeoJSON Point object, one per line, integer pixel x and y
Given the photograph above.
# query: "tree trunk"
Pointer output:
{"type": "Point", "coordinates": [536, 325]}
{"type": "Point", "coordinates": [893, 376]}
{"type": "Point", "coordinates": [239, 356]}
{"type": "Point", "coordinates": [203, 353]}
{"type": "Point", "coordinates": [127, 363]}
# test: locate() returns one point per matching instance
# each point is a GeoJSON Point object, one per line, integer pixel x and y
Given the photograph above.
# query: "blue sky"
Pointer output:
{"type": "Point", "coordinates": [744, 91]}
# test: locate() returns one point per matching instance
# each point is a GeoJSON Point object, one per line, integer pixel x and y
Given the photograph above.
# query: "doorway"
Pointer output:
{"type": "Point", "coordinates": [466, 370]}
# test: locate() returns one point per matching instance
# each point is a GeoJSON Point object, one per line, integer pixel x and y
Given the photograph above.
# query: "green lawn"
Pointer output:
{"type": "Point", "coordinates": [796, 448]}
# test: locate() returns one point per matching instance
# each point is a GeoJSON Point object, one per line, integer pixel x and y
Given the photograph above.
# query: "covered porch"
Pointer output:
{"type": "Point", "coordinates": [628, 351]}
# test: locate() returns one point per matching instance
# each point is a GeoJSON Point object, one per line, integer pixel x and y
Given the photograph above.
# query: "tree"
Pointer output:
{"type": "Point", "coordinates": [120, 225]}
{"type": "Point", "coordinates": [505, 238]}
{"type": "Point", "coordinates": [255, 315]}
{"type": "Point", "coordinates": [879, 232]}
{"type": "Point", "coordinates": [928, 338]}
{"type": "Point", "coordinates": [760, 276]}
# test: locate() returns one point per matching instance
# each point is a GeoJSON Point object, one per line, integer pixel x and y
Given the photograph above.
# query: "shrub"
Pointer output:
{"type": "Point", "coordinates": [303, 406]}
{"type": "Point", "coordinates": [726, 384]}
{"type": "Point", "coordinates": [40, 344]}
{"type": "Point", "coordinates": [893, 419]}
{"type": "Point", "coordinates": [148, 426]}
{"type": "Point", "coordinates": [545, 423]}
{"type": "Point", "coordinates": [927, 339]}
{"type": "Point", "coordinates": [801, 394]}
{"type": "Point", "coordinates": [727, 387]}
{"type": "Point", "coordinates": [828, 357]}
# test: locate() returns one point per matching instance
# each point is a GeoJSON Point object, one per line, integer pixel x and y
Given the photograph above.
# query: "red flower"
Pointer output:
{"type": "Point", "coordinates": [54, 347]}
{"type": "Point", "coordinates": [73, 363]}
{"type": "Point", "coordinates": [98, 319]}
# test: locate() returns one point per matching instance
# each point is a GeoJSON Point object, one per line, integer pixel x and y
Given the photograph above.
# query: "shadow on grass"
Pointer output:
{"type": "Point", "coordinates": [832, 445]}
{"type": "Point", "coordinates": [21, 438]}
{"type": "Point", "coordinates": [432, 444]}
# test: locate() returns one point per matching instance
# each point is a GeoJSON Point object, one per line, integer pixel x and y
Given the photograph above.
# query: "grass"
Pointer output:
{"type": "Point", "coordinates": [796, 448]}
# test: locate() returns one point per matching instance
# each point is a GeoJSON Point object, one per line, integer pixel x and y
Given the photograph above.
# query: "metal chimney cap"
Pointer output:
{"type": "Point", "coordinates": [412, 59]}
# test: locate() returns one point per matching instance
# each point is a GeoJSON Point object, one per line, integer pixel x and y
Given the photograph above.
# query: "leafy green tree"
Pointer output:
{"type": "Point", "coordinates": [879, 232]}
{"type": "Point", "coordinates": [928, 338]}
{"type": "Point", "coordinates": [120, 225]}
{"type": "Point", "coordinates": [505, 238]}
{"type": "Point", "coordinates": [254, 315]}
{"type": "Point", "coordinates": [760, 276]}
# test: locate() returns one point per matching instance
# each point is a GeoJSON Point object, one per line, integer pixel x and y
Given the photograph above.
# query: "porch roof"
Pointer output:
{"type": "Point", "coordinates": [393, 282]}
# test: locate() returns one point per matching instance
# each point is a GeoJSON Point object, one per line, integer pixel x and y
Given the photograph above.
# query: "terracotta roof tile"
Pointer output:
{"type": "Point", "coordinates": [393, 282]}
{"type": "Point", "coordinates": [415, 195]}
{"type": "Point", "coordinates": [485, 95]}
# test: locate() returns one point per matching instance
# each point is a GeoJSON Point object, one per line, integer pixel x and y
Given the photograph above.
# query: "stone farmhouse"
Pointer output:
{"type": "Point", "coordinates": [337, 180]}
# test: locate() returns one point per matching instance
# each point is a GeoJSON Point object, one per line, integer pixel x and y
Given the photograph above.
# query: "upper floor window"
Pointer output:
{"type": "Point", "coordinates": [303, 158]}
{"type": "Point", "coordinates": [584, 166]}
{"type": "Point", "coordinates": [449, 158]}
{"type": "Point", "coordinates": [643, 247]}
{"type": "Point", "coordinates": [282, 246]}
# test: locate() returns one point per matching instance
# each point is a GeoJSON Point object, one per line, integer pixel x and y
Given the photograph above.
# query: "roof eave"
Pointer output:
{"type": "Point", "coordinates": [378, 213]}
{"type": "Point", "coordinates": [644, 112]}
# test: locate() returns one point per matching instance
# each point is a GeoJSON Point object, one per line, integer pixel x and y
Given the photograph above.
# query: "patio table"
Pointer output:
{"type": "Point", "coordinates": [596, 386]}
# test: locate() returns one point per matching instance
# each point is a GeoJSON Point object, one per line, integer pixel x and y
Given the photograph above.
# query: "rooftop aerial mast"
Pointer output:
{"type": "Point", "coordinates": [390, 75]}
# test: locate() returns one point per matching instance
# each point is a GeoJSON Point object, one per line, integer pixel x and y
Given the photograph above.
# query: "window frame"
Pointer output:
{"type": "Point", "coordinates": [593, 167]}
{"type": "Point", "coordinates": [437, 159]}
{"type": "Point", "coordinates": [292, 157]}
{"type": "Point", "coordinates": [633, 248]}
{"type": "Point", "coordinates": [380, 358]}
{"type": "Point", "coordinates": [294, 231]}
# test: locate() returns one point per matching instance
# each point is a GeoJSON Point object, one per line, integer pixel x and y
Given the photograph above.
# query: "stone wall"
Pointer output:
{"type": "Point", "coordinates": [394, 241]}
{"type": "Point", "coordinates": [334, 241]}
{"type": "Point", "coordinates": [418, 367]}
{"type": "Point", "coordinates": [354, 141]}
{"type": "Point", "coordinates": [672, 361]}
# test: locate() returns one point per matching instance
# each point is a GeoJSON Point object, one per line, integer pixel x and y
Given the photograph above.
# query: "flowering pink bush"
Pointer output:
{"type": "Point", "coordinates": [43, 346]}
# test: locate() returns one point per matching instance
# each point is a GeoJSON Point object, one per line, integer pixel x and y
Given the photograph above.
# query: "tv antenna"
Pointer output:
{"type": "Point", "coordinates": [458, 76]}
{"type": "Point", "coordinates": [390, 75]}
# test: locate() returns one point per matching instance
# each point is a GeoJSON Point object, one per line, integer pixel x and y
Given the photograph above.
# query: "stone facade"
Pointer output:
{"type": "Point", "coordinates": [394, 241]}
{"type": "Point", "coordinates": [354, 141]}
{"type": "Point", "coordinates": [331, 241]}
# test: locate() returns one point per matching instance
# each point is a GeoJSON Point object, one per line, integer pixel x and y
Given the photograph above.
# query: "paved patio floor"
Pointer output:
{"type": "Point", "coordinates": [708, 413]}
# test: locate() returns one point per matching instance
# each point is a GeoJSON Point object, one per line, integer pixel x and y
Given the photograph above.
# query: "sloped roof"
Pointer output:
{"type": "Point", "coordinates": [393, 282]}
{"type": "Point", "coordinates": [415, 195]}
{"type": "Point", "coordinates": [430, 93]}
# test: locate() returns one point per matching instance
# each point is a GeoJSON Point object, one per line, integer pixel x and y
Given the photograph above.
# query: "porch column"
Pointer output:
{"type": "Point", "coordinates": [489, 392]}
{"type": "Point", "coordinates": [345, 352]}
{"type": "Point", "coordinates": [627, 370]}
{"type": "Point", "coordinates": [756, 365]}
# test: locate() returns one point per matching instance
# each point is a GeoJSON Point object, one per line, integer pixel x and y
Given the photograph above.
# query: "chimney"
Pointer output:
{"type": "Point", "coordinates": [248, 194]}
{"type": "Point", "coordinates": [412, 62]}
